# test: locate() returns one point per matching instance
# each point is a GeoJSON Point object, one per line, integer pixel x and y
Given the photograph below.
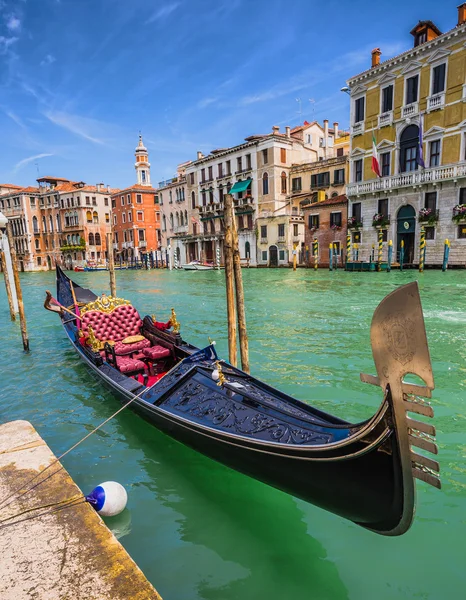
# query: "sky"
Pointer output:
{"type": "Point", "coordinates": [79, 79]}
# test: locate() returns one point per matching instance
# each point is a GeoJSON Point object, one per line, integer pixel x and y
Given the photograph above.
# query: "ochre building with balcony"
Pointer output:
{"type": "Point", "coordinates": [414, 105]}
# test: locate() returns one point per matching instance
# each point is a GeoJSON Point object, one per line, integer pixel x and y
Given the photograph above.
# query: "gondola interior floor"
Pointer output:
{"type": "Point", "coordinates": [150, 380]}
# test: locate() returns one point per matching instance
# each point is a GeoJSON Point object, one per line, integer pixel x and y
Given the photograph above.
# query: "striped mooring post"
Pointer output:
{"type": "Point", "coordinates": [348, 248]}
{"type": "Point", "coordinates": [380, 249]}
{"type": "Point", "coordinates": [390, 256]}
{"type": "Point", "coordinates": [315, 251]}
{"type": "Point", "coordinates": [330, 257]}
{"type": "Point", "coordinates": [446, 253]}
{"type": "Point", "coordinates": [402, 254]}
{"type": "Point", "coordinates": [156, 259]}
{"type": "Point", "coordinates": [422, 250]}
{"type": "Point", "coordinates": [175, 259]}
{"type": "Point", "coordinates": [217, 257]}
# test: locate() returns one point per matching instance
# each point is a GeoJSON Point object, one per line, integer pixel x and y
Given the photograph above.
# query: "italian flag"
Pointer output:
{"type": "Point", "coordinates": [375, 157]}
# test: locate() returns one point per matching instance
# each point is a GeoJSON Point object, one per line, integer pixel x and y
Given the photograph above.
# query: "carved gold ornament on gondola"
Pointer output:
{"type": "Point", "coordinates": [105, 304]}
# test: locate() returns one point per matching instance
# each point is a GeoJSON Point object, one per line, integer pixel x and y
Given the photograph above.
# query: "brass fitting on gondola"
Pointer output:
{"type": "Point", "coordinates": [221, 376]}
{"type": "Point", "coordinates": [175, 324]}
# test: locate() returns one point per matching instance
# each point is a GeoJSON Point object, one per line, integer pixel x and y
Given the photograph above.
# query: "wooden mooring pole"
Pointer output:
{"type": "Point", "coordinates": [8, 287]}
{"type": "Point", "coordinates": [111, 264]}
{"type": "Point", "coordinates": [17, 284]}
{"type": "Point", "coordinates": [243, 334]}
{"type": "Point", "coordinates": [228, 250]}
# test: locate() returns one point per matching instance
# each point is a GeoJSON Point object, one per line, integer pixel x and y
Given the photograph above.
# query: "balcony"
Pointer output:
{"type": "Point", "coordinates": [428, 216]}
{"type": "Point", "coordinates": [355, 222]}
{"type": "Point", "coordinates": [380, 220]}
{"type": "Point", "coordinates": [357, 128]}
{"type": "Point", "coordinates": [127, 245]}
{"type": "Point", "coordinates": [297, 190]}
{"type": "Point", "coordinates": [410, 110]}
{"type": "Point", "coordinates": [180, 229]}
{"type": "Point", "coordinates": [436, 102]}
{"type": "Point", "coordinates": [404, 180]}
{"type": "Point", "coordinates": [281, 239]}
{"type": "Point", "coordinates": [142, 243]}
{"type": "Point", "coordinates": [386, 119]}
{"type": "Point", "coordinates": [115, 246]}
{"type": "Point", "coordinates": [459, 213]}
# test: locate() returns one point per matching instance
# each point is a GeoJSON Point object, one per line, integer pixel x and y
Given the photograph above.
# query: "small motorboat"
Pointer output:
{"type": "Point", "coordinates": [196, 265]}
{"type": "Point", "coordinates": [364, 472]}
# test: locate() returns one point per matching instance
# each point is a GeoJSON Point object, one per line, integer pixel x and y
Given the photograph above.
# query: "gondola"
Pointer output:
{"type": "Point", "coordinates": [364, 472]}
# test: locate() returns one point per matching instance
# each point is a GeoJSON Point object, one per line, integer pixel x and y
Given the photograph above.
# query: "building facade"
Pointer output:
{"type": "Point", "coordinates": [414, 105]}
{"type": "Point", "coordinates": [326, 223]}
{"type": "Point", "coordinates": [136, 216]}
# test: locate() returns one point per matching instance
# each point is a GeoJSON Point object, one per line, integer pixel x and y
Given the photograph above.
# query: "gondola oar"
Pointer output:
{"type": "Point", "coordinates": [49, 298]}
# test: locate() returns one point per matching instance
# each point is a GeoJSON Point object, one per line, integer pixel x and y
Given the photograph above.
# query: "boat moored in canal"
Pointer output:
{"type": "Point", "coordinates": [364, 472]}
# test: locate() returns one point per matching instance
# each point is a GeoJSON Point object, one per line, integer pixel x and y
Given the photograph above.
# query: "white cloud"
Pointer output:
{"type": "Point", "coordinates": [80, 126]}
{"type": "Point", "coordinates": [13, 23]}
{"type": "Point", "coordinates": [6, 42]}
{"type": "Point", "coordinates": [29, 159]}
{"type": "Point", "coordinates": [48, 60]}
{"type": "Point", "coordinates": [205, 102]}
{"type": "Point", "coordinates": [163, 12]}
{"type": "Point", "coordinates": [14, 117]}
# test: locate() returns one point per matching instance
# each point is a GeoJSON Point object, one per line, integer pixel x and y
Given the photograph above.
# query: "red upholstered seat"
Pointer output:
{"type": "Point", "coordinates": [123, 349]}
{"type": "Point", "coordinates": [129, 365]}
{"type": "Point", "coordinates": [117, 325]}
{"type": "Point", "coordinates": [156, 352]}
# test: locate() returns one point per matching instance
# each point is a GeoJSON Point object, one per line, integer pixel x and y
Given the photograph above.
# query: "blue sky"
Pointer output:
{"type": "Point", "coordinates": [80, 78]}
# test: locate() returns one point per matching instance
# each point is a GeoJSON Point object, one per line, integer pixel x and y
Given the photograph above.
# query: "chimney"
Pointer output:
{"type": "Point", "coordinates": [288, 130]}
{"type": "Point", "coordinates": [376, 54]}
{"type": "Point", "coordinates": [325, 137]}
{"type": "Point", "coordinates": [98, 186]}
{"type": "Point", "coordinates": [336, 132]}
{"type": "Point", "coordinates": [199, 155]}
{"type": "Point", "coordinates": [462, 13]}
{"type": "Point", "coordinates": [275, 129]}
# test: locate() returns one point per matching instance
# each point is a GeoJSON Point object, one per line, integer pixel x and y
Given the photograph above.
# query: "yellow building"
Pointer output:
{"type": "Point", "coordinates": [414, 105]}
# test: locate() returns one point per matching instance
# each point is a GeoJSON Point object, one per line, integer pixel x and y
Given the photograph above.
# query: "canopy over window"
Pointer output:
{"type": "Point", "coordinates": [240, 186]}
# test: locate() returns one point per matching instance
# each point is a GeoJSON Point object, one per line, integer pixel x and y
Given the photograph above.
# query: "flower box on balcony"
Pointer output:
{"type": "Point", "coordinates": [379, 220]}
{"type": "Point", "coordinates": [354, 223]}
{"type": "Point", "coordinates": [335, 227]}
{"type": "Point", "coordinates": [459, 213]}
{"type": "Point", "coordinates": [428, 216]}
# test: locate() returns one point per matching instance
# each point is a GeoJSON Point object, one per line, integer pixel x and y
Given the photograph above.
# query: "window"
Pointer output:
{"type": "Point", "coordinates": [105, 201]}
{"type": "Point", "coordinates": [309, 138]}
{"type": "Point", "coordinates": [89, 216]}
{"type": "Point", "coordinates": [98, 241]}
{"type": "Point", "coordinates": [191, 178]}
{"type": "Point", "coordinates": [438, 79]}
{"type": "Point", "coordinates": [193, 200]}
{"type": "Point", "coordinates": [339, 177]}
{"type": "Point", "coordinates": [139, 198]}
{"type": "Point", "coordinates": [203, 196]}
{"type": "Point", "coordinates": [295, 230]}
{"type": "Point", "coordinates": [265, 184]}
{"type": "Point", "coordinates": [283, 155]}
{"type": "Point", "coordinates": [409, 143]}
{"type": "Point", "coordinates": [385, 163]}
{"type": "Point", "coordinates": [239, 162]}
{"type": "Point", "coordinates": [462, 232]}
{"type": "Point", "coordinates": [264, 252]}
{"type": "Point", "coordinates": [228, 167]}
{"type": "Point", "coordinates": [359, 110]}
{"type": "Point", "coordinates": [281, 230]}
{"type": "Point", "coordinates": [94, 201]}
{"type": "Point", "coordinates": [107, 217]}
{"type": "Point", "coordinates": [156, 199]}
{"type": "Point", "coordinates": [211, 174]}
{"type": "Point", "coordinates": [335, 219]}
{"type": "Point", "coordinates": [382, 207]}
{"type": "Point", "coordinates": [412, 88]}
{"type": "Point", "coordinates": [296, 185]}
{"type": "Point", "coordinates": [434, 153]}
{"type": "Point", "coordinates": [313, 222]}
{"type": "Point", "coordinates": [264, 232]}
{"type": "Point", "coordinates": [462, 197]}
{"type": "Point", "coordinates": [122, 201]}
{"type": "Point", "coordinates": [265, 156]}
{"type": "Point", "coordinates": [130, 216]}
{"type": "Point", "coordinates": [141, 235]}
{"type": "Point", "coordinates": [430, 200]}
{"type": "Point", "coordinates": [336, 248]}
{"type": "Point", "coordinates": [220, 169]}
{"type": "Point", "coordinates": [202, 175]}
{"type": "Point", "coordinates": [91, 239]}
{"type": "Point", "coordinates": [421, 37]}
{"type": "Point", "coordinates": [140, 215]}
{"type": "Point", "coordinates": [143, 176]}
{"type": "Point", "coordinates": [281, 255]}
{"type": "Point", "coordinates": [430, 233]}
{"type": "Point", "coordinates": [123, 217]}
{"type": "Point", "coordinates": [88, 200]}
{"type": "Point", "coordinates": [211, 196]}
{"type": "Point", "coordinates": [248, 162]}
{"type": "Point", "coordinates": [240, 222]}
{"type": "Point", "coordinates": [340, 152]}
{"type": "Point", "coordinates": [387, 99]}
{"type": "Point", "coordinates": [356, 211]}
{"type": "Point", "coordinates": [283, 182]}
{"type": "Point", "coordinates": [356, 237]}
{"type": "Point", "coordinates": [358, 170]}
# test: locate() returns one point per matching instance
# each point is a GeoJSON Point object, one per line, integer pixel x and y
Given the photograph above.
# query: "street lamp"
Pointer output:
{"type": "Point", "coordinates": [346, 90]}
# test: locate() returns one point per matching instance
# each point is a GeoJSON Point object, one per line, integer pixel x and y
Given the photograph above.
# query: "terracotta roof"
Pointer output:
{"type": "Point", "coordinates": [139, 188]}
{"type": "Point", "coordinates": [52, 179]}
{"type": "Point", "coordinates": [30, 189]}
{"type": "Point", "coordinates": [337, 200]}
{"type": "Point", "coordinates": [10, 185]}
{"type": "Point", "coordinates": [430, 24]}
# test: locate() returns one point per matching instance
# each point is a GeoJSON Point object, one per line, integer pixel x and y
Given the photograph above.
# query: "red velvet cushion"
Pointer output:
{"type": "Point", "coordinates": [117, 325]}
{"type": "Point", "coordinates": [156, 352]}
{"type": "Point", "coordinates": [128, 365]}
{"type": "Point", "coordinates": [122, 349]}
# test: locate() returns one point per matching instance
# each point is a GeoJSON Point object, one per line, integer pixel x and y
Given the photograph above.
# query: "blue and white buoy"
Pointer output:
{"type": "Point", "coordinates": [108, 498]}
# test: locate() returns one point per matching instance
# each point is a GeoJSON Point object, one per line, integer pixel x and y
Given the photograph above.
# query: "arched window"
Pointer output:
{"type": "Point", "coordinates": [409, 149]}
{"type": "Point", "coordinates": [91, 239]}
{"type": "Point", "coordinates": [177, 218]}
{"type": "Point", "coordinates": [89, 216]}
{"type": "Point", "coordinates": [171, 221]}
{"type": "Point", "coordinates": [185, 217]}
{"type": "Point", "coordinates": [193, 200]}
{"type": "Point", "coordinates": [35, 225]}
{"type": "Point", "coordinates": [247, 249]}
{"type": "Point", "coordinates": [283, 182]}
{"type": "Point", "coordinates": [265, 184]}
{"type": "Point", "coordinates": [212, 226]}
{"type": "Point", "coordinates": [44, 225]}
{"type": "Point", "coordinates": [170, 195]}
{"type": "Point", "coordinates": [164, 223]}
{"type": "Point", "coordinates": [58, 223]}
{"type": "Point", "coordinates": [95, 217]}
{"type": "Point", "coordinates": [98, 241]}
{"type": "Point", "coordinates": [37, 244]}
{"type": "Point", "coordinates": [181, 219]}
{"type": "Point", "coordinates": [335, 194]}
{"type": "Point", "coordinates": [51, 223]}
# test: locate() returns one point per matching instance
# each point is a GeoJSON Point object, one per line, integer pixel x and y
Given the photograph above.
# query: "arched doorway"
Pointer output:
{"type": "Point", "coordinates": [49, 262]}
{"type": "Point", "coordinates": [409, 149]}
{"type": "Point", "coordinates": [247, 249]}
{"type": "Point", "coordinates": [406, 231]}
{"type": "Point", "coordinates": [273, 256]}
{"type": "Point", "coordinates": [178, 255]}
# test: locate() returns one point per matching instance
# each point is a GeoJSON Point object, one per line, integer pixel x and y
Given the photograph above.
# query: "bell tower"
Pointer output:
{"type": "Point", "coordinates": [142, 164]}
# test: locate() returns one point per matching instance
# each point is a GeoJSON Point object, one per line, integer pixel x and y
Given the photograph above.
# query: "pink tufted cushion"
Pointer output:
{"type": "Point", "coordinates": [117, 325]}
{"type": "Point", "coordinates": [122, 349]}
{"type": "Point", "coordinates": [156, 352]}
{"type": "Point", "coordinates": [129, 365]}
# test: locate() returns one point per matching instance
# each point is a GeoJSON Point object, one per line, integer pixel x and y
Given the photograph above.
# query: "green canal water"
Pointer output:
{"type": "Point", "coordinates": [199, 530]}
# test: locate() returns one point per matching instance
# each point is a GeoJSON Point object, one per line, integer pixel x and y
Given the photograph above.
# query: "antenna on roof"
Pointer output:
{"type": "Point", "coordinates": [300, 110]}
{"type": "Point", "coordinates": [313, 102]}
{"type": "Point", "coordinates": [37, 167]}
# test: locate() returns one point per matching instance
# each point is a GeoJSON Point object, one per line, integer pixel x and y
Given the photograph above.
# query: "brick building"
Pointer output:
{"type": "Point", "coordinates": [326, 221]}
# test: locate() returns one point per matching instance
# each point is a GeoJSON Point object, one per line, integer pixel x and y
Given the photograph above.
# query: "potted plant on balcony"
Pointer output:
{"type": "Point", "coordinates": [380, 220]}
{"type": "Point", "coordinates": [354, 223]}
{"type": "Point", "coordinates": [459, 213]}
{"type": "Point", "coordinates": [335, 227]}
{"type": "Point", "coordinates": [428, 216]}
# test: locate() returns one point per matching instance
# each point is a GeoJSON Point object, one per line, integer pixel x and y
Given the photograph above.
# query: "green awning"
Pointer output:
{"type": "Point", "coordinates": [240, 186]}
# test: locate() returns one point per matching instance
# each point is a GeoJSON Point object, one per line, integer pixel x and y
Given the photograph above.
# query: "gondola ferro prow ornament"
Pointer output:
{"type": "Point", "coordinates": [400, 348]}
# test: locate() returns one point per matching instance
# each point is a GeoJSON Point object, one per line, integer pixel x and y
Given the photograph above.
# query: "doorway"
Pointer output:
{"type": "Point", "coordinates": [273, 256]}
{"type": "Point", "coordinates": [406, 231]}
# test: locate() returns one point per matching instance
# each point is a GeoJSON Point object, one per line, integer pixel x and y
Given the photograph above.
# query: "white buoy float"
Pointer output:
{"type": "Point", "coordinates": [109, 498]}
